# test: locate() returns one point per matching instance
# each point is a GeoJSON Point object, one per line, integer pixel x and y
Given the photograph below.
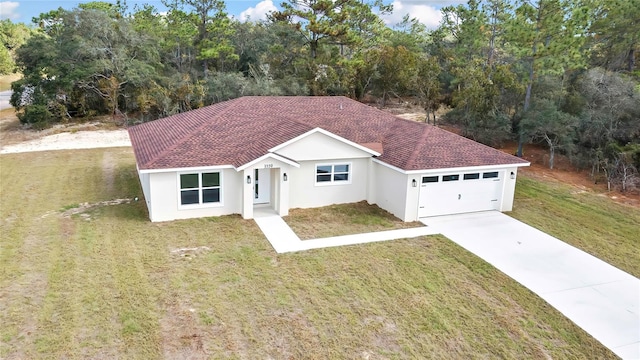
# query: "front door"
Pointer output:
{"type": "Point", "coordinates": [261, 186]}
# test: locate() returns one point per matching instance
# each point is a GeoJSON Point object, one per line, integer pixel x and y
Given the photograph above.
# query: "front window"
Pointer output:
{"type": "Point", "coordinates": [333, 173]}
{"type": "Point", "coordinates": [200, 188]}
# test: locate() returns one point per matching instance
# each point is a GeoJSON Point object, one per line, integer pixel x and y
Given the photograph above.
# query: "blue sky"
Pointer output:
{"type": "Point", "coordinates": [426, 11]}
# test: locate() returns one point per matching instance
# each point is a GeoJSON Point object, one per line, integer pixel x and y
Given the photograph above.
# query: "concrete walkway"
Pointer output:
{"type": "Point", "coordinates": [283, 239]}
{"type": "Point", "coordinates": [279, 234]}
{"type": "Point", "coordinates": [601, 299]}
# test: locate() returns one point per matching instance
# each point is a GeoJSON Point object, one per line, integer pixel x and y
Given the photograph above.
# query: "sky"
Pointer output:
{"type": "Point", "coordinates": [426, 11]}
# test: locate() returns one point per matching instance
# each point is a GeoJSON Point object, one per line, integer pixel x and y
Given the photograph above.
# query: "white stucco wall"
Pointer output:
{"type": "Point", "coordinates": [164, 197]}
{"type": "Point", "coordinates": [412, 199]}
{"type": "Point", "coordinates": [509, 189]}
{"type": "Point", "coordinates": [389, 190]}
{"type": "Point", "coordinates": [378, 184]}
{"type": "Point", "coordinates": [318, 146]}
{"type": "Point", "coordinates": [144, 183]}
{"type": "Point", "coordinates": [305, 193]}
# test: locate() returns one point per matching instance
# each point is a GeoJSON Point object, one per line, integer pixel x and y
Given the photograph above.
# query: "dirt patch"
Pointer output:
{"type": "Point", "coordinates": [182, 334]}
{"type": "Point", "coordinates": [72, 140]}
{"type": "Point", "coordinates": [184, 329]}
{"type": "Point", "coordinates": [82, 208]}
{"type": "Point", "coordinates": [190, 252]}
{"type": "Point", "coordinates": [15, 138]}
{"type": "Point", "coordinates": [419, 116]}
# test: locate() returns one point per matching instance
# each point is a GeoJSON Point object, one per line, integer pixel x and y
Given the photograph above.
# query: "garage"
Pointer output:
{"type": "Point", "coordinates": [456, 193]}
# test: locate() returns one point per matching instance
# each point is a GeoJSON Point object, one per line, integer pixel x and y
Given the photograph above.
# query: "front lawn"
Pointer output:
{"type": "Point", "coordinates": [107, 283]}
{"type": "Point", "coordinates": [343, 219]}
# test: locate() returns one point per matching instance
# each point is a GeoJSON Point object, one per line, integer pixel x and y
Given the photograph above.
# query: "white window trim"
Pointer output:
{"type": "Point", "coordinates": [332, 182]}
{"type": "Point", "coordinates": [200, 205]}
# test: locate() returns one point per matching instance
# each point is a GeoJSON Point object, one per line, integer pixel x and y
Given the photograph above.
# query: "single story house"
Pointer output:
{"type": "Point", "coordinates": [305, 152]}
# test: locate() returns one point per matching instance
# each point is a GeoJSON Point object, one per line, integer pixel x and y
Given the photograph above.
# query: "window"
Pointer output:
{"type": "Point", "coordinates": [490, 175]}
{"type": "Point", "coordinates": [450, 177]}
{"type": "Point", "coordinates": [473, 176]}
{"type": "Point", "coordinates": [333, 173]}
{"type": "Point", "coordinates": [429, 179]}
{"type": "Point", "coordinates": [200, 188]}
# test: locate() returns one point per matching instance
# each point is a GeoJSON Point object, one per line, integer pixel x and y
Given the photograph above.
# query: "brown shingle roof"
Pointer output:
{"type": "Point", "coordinates": [237, 131]}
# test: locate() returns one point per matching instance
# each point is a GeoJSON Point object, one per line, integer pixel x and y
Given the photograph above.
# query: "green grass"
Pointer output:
{"type": "Point", "coordinates": [343, 219]}
{"type": "Point", "coordinates": [107, 285]}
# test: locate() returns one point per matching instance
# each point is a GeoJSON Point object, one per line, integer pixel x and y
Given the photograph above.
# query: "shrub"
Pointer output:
{"type": "Point", "coordinates": [37, 115]}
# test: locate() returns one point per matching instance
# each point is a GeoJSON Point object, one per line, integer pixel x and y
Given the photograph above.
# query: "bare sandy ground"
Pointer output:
{"type": "Point", "coordinates": [71, 140]}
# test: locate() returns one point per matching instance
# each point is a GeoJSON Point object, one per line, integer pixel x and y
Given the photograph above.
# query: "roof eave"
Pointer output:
{"type": "Point", "coordinates": [450, 169]}
{"type": "Point", "coordinates": [266, 156]}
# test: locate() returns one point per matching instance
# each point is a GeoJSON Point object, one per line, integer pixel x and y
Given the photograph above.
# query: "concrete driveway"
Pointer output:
{"type": "Point", "coordinates": [601, 299]}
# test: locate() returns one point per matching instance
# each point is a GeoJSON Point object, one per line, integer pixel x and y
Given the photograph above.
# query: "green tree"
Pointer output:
{"type": "Point", "coordinates": [466, 24]}
{"type": "Point", "coordinates": [548, 36]}
{"type": "Point", "coordinates": [51, 23]}
{"type": "Point", "coordinates": [427, 85]}
{"type": "Point", "coordinates": [609, 120]}
{"type": "Point", "coordinates": [498, 14]}
{"type": "Point", "coordinates": [114, 11]}
{"type": "Point", "coordinates": [91, 63]}
{"type": "Point", "coordinates": [180, 30]}
{"type": "Point", "coordinates": [12, 36]}
{"type": "Point", "coordinates": [7, 65]}
{"type": "Point", "coordinates": [214, 30]}
{"type": "Point", "coordinates": [340, 23]}
{"type": "Point", "coordinates": [545, 122]}
{"type": "Point", "coordinates": [616, 34]}
{"type": "Point", "coordinates": [478, 101]}
{"type": "Point", "coordinates": [410, 33]}
{"type": "Point", "coordinates": [396, 70]}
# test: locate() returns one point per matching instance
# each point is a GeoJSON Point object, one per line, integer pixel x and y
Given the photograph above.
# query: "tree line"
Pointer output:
{"type": "Point", "coordinates": [560, 72]}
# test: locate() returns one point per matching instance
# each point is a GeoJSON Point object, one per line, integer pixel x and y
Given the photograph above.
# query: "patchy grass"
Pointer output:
{"type": "Point", "coordinates": [343, 219]}
{"type": "Point", "coordinates": [584, 219]}
{"type": "Point", "coordinates": [111, 286]}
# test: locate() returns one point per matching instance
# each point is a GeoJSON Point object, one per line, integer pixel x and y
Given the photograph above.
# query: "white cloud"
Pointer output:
{"type": "Point", "coordinates": [8, 10]}
{"type": "Point", "coordinates": [426, 14]}
{"type": "Point", "coordinates": [259, 12]}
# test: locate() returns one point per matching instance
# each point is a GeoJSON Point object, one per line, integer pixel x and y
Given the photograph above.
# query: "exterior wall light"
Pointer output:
{"type": "Point", "coordinates": [248, 179]}
{"type": "Point", "coordinates": [285, 177]}
{"type": "Point", "coordinates": [414, 183]}
{"type": "Point", "coordinates": [513, 175]}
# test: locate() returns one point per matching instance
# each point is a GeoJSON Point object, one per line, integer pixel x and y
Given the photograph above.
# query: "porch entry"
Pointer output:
{"type": "Point", "coordinates": [261, 186]}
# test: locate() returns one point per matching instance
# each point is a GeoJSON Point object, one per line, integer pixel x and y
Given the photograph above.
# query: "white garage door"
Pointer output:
{"type": "Point", "coordinates": [459, 193]}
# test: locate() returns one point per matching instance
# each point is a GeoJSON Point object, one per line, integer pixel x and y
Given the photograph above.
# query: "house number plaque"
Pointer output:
{"type": "Point", "coordinates": [268, 166]}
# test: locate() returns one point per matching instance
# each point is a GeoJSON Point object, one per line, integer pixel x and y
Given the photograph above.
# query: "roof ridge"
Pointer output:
{"type": "Point", "coordinates": [417, 148]}
{"type": "Point", "coordinates": [190, 134]}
